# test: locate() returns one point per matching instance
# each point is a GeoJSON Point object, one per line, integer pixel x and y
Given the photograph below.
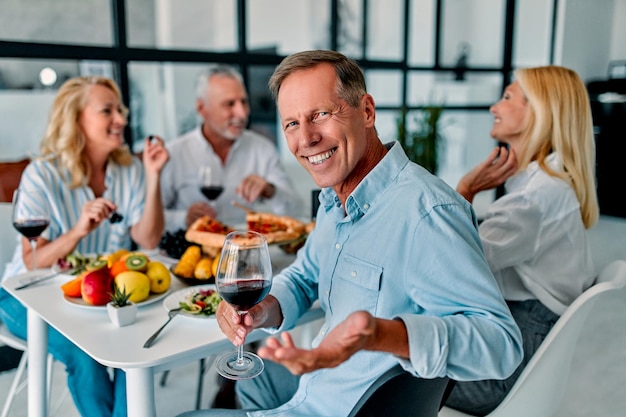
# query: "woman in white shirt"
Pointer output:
{"type": "Point", "coordinates": [534, 236]}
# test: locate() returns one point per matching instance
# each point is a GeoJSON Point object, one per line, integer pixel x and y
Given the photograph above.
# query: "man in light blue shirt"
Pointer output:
{"type": "Point", "coordinates": [395, 261]}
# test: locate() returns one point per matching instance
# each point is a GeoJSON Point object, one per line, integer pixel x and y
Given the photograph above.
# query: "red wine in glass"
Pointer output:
{"type": "Point", "coordinates": [212, 191]}
{"type": "Point", "coordinates": [243, 279]}
{"type": "Point", "coordinates": [211, 182]}
{"type": "Point", "coordinates": [243, 295]}
{"type": "Point", "coordinates": [31, 228]}
{"type": "Point", "coordinates": [30, 216]}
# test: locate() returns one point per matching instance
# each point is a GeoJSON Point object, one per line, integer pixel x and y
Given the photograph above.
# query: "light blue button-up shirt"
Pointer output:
{"type": "Point", "coordinates": [406, 247]}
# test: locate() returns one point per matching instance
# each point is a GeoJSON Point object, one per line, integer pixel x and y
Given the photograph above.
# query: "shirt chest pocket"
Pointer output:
{"type": "Point", "coordinates": [355, 286]}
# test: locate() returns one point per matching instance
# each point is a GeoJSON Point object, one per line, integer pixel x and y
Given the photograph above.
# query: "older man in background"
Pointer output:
{"type": "Point", "coordinates": [247, 163]}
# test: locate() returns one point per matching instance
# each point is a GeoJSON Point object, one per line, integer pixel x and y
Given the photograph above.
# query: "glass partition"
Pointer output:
{"type": "Point", "coordinates": [87, 22]}
{"type": "Point", "coordinates": [350, 30]}
{"type": "Point", "coordinates": [470, 25]}
{"type": "Point", "coordinates": [385, 28]}
{"type": "Point", "coordinates": [27, 90]}
{"type": "Point", "coordinates": [190, 25]}
{"type": "Point", "coordinates": [533, 26]}
{"type": "Point", "coordinates": [422, 33]}
{"type": "Point", "coordinates": [283, 27]}
{"type": "Point", "coordinates": [477, 89]}
{"type": "Point", "coordinates": [163, 100]}
{"type": "Point", "coordinates": [385, 86]}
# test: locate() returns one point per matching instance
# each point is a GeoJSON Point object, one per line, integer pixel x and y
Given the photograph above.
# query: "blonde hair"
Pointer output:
{"type": "Point", "coordinates": [64, 140]}
{"type": "Point", "coordinates": [559, 120]}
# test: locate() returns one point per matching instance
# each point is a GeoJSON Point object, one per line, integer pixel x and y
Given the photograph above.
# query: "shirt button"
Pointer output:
{"type": "Point", "coordinates": [337, 246]}
{"type": "Point", "coordinates": [327, 293]}
{"type": "Point", "coordinates": [353, 274]}
{"type": "Point", "coordinates": [366, 206]}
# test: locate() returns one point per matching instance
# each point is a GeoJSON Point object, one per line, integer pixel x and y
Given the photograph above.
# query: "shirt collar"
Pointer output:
{"type": "Point", "coordinates": [553, 161]}
{"type": "Point", "coordinates": [372, 186]}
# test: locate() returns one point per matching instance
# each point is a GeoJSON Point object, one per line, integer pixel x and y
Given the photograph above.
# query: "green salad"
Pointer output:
{"type": "Point", "coordinates": [202, 302]}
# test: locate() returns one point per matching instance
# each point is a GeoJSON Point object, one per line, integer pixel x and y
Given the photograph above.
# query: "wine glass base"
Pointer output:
{"type": "Point", "coordinates": [226, 365]}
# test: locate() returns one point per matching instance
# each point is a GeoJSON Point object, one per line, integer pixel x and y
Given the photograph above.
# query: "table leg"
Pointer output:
{"type": "Point", "coordinates": [37, 340]}
{"type": "Point", "coordinates": [140, 392]}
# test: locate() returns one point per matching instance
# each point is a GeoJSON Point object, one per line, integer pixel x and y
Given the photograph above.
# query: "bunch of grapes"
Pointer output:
{"type": "Point", "coordinates": [175, 243]}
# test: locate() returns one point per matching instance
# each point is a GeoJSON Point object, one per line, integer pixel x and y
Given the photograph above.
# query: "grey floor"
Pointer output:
{"type": "Point", "coordinates": [595, 387]}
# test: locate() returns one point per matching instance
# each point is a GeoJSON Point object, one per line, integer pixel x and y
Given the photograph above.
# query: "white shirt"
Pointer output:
{"type": "Point", "coordinates": [251, 154]}
{"type": "Point", "coordinates": [535, 241]}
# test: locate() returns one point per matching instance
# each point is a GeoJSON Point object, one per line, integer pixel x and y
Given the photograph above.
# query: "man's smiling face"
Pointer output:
{"type": "Point", "coordinates": [325, 134]}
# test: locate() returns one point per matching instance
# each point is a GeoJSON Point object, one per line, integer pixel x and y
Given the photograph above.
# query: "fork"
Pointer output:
{"type": "Point", "coordinates": [171, 314]}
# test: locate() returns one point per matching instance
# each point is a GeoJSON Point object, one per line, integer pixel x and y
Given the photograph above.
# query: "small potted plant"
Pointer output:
{"type": "Point", "coordinates": [121, 310]}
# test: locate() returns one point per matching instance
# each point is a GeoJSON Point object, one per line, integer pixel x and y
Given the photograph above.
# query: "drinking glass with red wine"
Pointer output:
{"type": "Point", "coordinates": [244, 278]}
{"type": "Point", "coordinates": [30, 216]}
{"type": "Point", "coordinates": [211, 183]}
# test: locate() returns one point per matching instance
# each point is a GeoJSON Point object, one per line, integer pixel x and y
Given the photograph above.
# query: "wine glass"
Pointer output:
{"type": "Point", "coordinates": [244, 278]}
{"type": "Point", "coordinates": [30, 216]}
{"type": "Point", "coordinates": [211, 183]}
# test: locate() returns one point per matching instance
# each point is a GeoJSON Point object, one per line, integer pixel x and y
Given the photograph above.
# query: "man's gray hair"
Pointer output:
{"type": "Point", "coordinates": [202, 81]}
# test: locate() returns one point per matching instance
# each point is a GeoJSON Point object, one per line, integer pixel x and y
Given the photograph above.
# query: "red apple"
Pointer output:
{"type": "Point", "coordinates": [97, 287]}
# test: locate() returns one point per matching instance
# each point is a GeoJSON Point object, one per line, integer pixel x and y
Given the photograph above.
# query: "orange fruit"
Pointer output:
{"type": "Point", "coordinates": [118, 267]}
{"type": "Point", "coordinates": [72, 287]}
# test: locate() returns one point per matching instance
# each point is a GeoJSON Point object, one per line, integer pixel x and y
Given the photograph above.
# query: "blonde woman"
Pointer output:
{"type": "Point", "coordinates": [534, 236]}
{"type": "Point", "coordinates": [86, 173]}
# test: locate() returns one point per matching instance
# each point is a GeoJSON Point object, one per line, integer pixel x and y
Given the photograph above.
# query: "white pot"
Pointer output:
{"type": "Point", "coordinates": [122, 316]}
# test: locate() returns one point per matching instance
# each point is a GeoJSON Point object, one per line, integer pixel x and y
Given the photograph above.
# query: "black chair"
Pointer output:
{"type": "Point", "coordinates": [397, 393]}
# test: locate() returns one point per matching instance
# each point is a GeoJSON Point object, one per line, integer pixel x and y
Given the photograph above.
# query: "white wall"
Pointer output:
{"type": "Point", "coordinates": [22, 131]}
{"type": "Point", "coordinates": [618, 37]}
{"type": "Point", "coordinates": [584, 31]}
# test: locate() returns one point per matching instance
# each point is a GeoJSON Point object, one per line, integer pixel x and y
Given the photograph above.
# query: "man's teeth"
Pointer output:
{"type": "Point", "coordinates": [319, 158]}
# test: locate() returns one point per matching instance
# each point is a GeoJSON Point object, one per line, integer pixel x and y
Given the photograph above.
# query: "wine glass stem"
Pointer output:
{"type": "Point", "coordinates": [33, 245]}
{"type": "Point", "coordinates": [240, 347]}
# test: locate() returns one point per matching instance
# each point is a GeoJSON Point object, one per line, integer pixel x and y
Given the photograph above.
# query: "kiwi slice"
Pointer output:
{"type": "Point", "coordinates": [96, 264]}
{"type": "Point", "coordinates": [137, 263]}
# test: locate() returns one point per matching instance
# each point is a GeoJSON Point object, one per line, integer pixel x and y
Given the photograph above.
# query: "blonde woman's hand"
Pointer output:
{"type": "Point", "coordinates": [492, 172]}
{"type": "Point", "coordinates": [154, 155]}
{"type": "Point", "coordinates": [94, 212]}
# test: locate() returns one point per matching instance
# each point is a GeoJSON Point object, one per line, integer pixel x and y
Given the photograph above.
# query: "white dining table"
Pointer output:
{"type": "Point", "coordinates": [184, 340]}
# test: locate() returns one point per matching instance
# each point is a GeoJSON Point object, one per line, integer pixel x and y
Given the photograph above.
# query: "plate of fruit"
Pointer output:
{"type": "Point", "coordinates": [145, 280]}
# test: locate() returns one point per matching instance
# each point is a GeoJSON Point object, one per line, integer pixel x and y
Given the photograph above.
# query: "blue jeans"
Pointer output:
{"type": "Point", "coordinates": [274, 387]}
{"type": "Point", "coordinates": [479, 398]}
{"type": "Point", "coordinates": [94, 394]}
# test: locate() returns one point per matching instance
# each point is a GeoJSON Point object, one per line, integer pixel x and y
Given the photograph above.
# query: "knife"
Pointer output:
{"type": "Point", "coordinates": [47, 277]}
